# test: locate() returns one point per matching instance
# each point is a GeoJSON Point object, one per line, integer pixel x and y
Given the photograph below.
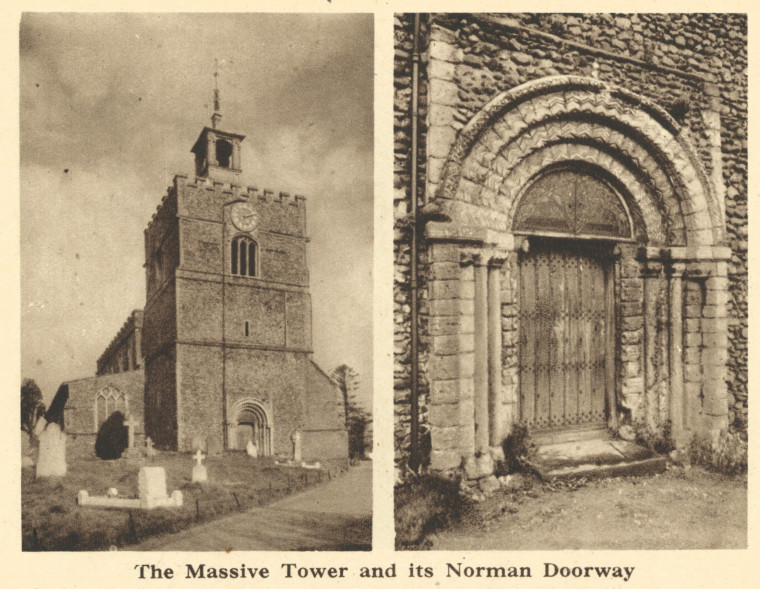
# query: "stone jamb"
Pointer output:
{"type": "Point", "coordinates": [465, 314]}
{"type": "Point", "coordinates": [698, 320]}
{"type": "Point", "coordinates": [629, 327]}
{"type": "Point", "coordinates": [652, 359]}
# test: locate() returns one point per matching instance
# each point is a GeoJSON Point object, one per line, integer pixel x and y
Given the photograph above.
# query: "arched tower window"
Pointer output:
{"type": "Point", "coordinates": [223, 153]}
{"type": "Point", "coordinates": [243, 257]}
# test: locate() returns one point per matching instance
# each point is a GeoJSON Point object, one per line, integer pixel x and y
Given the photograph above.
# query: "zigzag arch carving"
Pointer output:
{"type": "Point", "coordinates": [569, 118]}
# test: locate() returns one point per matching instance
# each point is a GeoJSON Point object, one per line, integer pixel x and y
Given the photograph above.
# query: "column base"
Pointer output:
{"type": "Point", "coordinates": [476, 467]}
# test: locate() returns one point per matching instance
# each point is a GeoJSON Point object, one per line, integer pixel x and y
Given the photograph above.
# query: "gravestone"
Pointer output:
{"type": "Point", "coordinates": [297, 450]}
{"type": "Point", "coordinates": [150, 451]}
{"type": "Point", "coordinates": [200, 473]}
{"type": "Point", "coordinates": [151, 484]}
{"type": "Point", "coordinates": [130, 423]}
{"type": "Point", "coordinates": [252, 449]}
{"type": "Point", "coordinates": [51, 461]}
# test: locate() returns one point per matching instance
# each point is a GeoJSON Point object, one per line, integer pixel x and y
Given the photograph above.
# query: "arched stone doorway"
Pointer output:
{"type": "Point", "coordinates": [251, 422]}
{"type": "Point", "coordinates": [576, 271]}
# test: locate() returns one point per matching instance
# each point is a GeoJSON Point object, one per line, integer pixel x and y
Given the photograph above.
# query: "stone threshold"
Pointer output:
{"type": "Point", "coordinates": [595, 458]}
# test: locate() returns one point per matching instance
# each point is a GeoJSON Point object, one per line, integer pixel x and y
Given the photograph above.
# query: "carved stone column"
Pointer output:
{"type": "Point", "coordinates": [652, 275]}
{"type": "Point", "coordinates": [675, 289]}
{"type": "Point", "coordinates": [481, 357]}
{"type": "Point", "coordinates": [495, 393]}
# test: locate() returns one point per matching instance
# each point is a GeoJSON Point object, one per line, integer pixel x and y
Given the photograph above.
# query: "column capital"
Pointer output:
{"type": "Point", "coordinates": [675, 269]}
{"type": "Point", "coordinates": [651, 269]}
{"type": "Point", "coordinates": [470, 258]}
{"type": "Point", "coordinates": [498, 259]}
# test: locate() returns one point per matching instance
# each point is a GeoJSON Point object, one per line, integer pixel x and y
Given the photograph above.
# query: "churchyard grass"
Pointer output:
{"type": "Point", "coordinates": [52, 520]}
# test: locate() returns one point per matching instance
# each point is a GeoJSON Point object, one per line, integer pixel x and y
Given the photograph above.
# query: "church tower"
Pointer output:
{"type": "Point", "coordinates": [227, 324]}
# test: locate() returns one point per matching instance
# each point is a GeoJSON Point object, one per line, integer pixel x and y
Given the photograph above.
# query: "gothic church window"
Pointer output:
{"type": "Point", "coordinates": [107, 401]}
{"type": "Point", "coordinates": [243, 256]}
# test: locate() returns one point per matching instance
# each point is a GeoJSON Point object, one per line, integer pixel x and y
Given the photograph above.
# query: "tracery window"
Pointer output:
{"type": "Point", "coordinates": [243, 257]}
{"type": "Point", "coordinates": [107, 401]}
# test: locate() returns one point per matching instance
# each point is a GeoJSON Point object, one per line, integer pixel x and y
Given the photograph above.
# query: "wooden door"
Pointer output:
{"type": "Point", "coordinates": [244, 435]}
{"type": "Point", "coordinates": [566, 352]}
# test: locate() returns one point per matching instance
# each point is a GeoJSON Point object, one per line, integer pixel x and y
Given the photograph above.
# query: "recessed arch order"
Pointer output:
{"type": "Point", "coordinates": [567, 120]}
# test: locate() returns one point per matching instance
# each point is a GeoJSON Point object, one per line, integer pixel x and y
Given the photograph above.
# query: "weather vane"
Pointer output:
{"type": "Point", "coordinates": [216, 117]}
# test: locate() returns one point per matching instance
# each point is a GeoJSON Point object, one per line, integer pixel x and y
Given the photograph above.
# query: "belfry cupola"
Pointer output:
{"type": "Point", "coordinates": [217, 152]}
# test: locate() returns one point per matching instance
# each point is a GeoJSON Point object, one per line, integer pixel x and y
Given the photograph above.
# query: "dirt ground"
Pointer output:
{"type": "Point", "coordinates": [679, 509]}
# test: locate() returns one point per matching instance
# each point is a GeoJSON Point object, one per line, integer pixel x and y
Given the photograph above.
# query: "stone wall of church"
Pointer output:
{"type": "Point", "coordinates": [685, 63]}
{"type": "Point", "coordinates": [79, 413]}
{"type": "Point", "coordinates": [325, 433]}
{"type": "Point", "coordinates": [276, 380]}
{"type": "Point", "coordinates": [199, 395]}
{"type": "Point", "coordinates": [280, 233]}
{"type": "Point", "coordinates": [161, 398]}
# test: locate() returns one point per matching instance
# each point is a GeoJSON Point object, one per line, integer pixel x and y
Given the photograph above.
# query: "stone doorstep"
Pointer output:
{"type": "Point", "coordinates": [596, 459]}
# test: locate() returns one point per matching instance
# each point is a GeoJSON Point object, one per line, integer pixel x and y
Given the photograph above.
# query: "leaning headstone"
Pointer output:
{"type": "Point", "coordinates": [252, 449]}
{"type": "Point", "coordinates": [200, 473]}
{"type": "Point", "coordinates": [51, 461]}
{"type": "Point", "coordinates": [297, 450]}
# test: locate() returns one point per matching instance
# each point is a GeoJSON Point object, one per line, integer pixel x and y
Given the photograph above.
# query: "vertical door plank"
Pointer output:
{"type": "Point", "coordinates": [543, 356]}
{"type": "Point", "coordinates": [527, 338]}
{"type": "Point", "coordinates": [556, 337]}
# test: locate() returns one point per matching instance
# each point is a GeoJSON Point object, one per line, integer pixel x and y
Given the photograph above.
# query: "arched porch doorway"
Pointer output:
{"type": "Point", "coordinates": [251, 423]}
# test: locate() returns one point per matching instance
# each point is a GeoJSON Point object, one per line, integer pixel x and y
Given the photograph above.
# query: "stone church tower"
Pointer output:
{"type": "Point", "coordinates": [227, 323]}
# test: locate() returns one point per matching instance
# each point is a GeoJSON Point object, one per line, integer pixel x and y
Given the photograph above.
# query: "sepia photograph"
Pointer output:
{"type": "Point", "coordinates": [196, 224]}
{"type": "Point", "coordinates": [570, 281]}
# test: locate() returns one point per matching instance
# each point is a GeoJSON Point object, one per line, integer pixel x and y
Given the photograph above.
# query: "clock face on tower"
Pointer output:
{"type": "Point", "coordinates": [244, 217]}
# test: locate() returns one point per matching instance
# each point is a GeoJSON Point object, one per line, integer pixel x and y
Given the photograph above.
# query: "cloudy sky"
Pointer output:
{"type": "Point", "coordinates": [110, 107]}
